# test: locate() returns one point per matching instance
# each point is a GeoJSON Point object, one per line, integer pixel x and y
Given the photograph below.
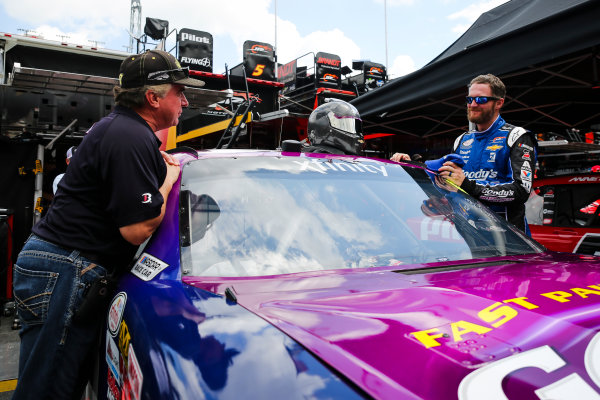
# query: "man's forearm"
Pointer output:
{"type": "Point", "coordinates": [505, 194]}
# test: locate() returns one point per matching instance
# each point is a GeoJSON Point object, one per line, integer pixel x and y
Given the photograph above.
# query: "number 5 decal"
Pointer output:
{"type": "Point", "coordinates": [258, 70]}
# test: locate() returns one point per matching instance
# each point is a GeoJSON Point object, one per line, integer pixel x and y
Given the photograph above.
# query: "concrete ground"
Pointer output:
{"type": "Point", "coordinates": [9, 357]}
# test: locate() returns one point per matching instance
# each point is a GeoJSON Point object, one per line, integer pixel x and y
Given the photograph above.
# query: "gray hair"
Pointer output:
{"type": "Point", "coordinates": [136, 97]}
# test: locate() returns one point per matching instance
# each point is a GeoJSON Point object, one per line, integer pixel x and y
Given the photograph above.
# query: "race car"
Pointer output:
{"type": "Point", "coordinates": [285, 275]}
{"type": "Point", "coordinates": [563, 213]}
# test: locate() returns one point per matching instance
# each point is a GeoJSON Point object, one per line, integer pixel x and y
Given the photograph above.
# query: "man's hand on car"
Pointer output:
{"type": "Point", "coordinates": [397, 157]}
{"type": "Point", "coordinates": [452, 172]}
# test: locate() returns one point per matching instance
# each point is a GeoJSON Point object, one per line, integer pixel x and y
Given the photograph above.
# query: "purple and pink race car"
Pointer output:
{"type": "Point", "coordinates": [292, 276]}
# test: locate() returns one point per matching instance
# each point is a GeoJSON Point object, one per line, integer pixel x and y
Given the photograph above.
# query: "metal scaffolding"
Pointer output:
{"type": "Point", "coordinates": [135, 24]}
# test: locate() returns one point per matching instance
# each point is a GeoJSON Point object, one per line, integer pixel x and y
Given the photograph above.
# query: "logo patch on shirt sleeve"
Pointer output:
{"type": "Point", "coordinates": [146, 198]}
{"type": "Point", "coordinates": [467, 143]}
{"type": "Point", "coordinates": [523, 145]}
{"type": "Point", "coordinates": [147, 267]}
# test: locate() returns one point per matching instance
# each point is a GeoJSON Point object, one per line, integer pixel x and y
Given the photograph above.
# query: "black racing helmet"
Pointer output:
{"type": "Point", "coordinates": [336, 124]}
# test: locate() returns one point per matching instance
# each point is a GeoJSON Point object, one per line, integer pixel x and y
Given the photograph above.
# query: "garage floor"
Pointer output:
{"type": "Point", "coordinates": [9, 357]}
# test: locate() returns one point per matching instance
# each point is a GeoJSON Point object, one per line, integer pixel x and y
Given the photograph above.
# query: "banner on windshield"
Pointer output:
{"type": "Point", "coordinates": [195, 49]}
{"type": "Point", "coordinates": [375, 74]}
{"type": "Point", "coordinates": [328, 70]}
{"type": "Point", "coordinates": [259, 60]}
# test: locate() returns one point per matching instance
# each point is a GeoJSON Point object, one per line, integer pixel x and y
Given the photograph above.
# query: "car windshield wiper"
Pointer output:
{"type": "Point", "coordinates": [455, 267]}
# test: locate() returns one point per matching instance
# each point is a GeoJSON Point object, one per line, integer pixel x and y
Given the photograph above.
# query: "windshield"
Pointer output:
{"type": "Point", "coordinates": [251, 216]}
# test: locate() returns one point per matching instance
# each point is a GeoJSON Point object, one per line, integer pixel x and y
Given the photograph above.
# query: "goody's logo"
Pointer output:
{"type": "Point", "coordinates": [497, 193]}
{"type": "Point", "coordinates": [481, 175]}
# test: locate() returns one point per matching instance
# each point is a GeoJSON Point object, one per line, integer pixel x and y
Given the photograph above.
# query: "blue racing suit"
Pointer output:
{"type": "Point", "coordinates": [500, 163]}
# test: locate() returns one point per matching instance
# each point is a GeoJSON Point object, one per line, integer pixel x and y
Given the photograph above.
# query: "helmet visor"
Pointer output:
{"type": "Point", "coordinates": [346, 123]}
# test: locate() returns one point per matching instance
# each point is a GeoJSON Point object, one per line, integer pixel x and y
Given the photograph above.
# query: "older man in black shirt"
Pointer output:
{"type": "Point", "coordinates": [111, 200]}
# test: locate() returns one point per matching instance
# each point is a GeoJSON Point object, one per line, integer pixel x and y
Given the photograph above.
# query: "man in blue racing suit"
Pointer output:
{"type": "Point", "coordinates": [500, 158]}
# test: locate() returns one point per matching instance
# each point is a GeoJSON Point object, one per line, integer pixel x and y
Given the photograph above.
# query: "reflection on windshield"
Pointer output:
{"type": "Point", "coordinates": [265, 216]}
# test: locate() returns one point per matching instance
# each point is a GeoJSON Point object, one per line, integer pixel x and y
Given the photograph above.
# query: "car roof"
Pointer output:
{"type": "Point", "coordinates": [187, 154]}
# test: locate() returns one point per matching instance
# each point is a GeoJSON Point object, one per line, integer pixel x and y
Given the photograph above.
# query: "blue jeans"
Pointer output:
{"type": "Point", "coordinates": [49, 284]}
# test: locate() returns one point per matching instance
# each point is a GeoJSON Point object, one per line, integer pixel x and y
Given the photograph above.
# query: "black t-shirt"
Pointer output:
{"type": "Point", "coordinates": [112, 181]}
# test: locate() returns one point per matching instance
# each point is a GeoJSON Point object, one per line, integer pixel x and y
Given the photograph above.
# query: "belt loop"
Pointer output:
{"type": "Point", "coordinates": [74, 254]}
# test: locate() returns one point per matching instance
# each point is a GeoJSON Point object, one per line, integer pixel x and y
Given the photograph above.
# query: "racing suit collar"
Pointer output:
{"type": "Point", "coordinates": [494, 127]}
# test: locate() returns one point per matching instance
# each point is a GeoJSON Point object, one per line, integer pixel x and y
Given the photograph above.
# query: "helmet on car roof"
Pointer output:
{"type": "Point", "coordinates": [336, 124]}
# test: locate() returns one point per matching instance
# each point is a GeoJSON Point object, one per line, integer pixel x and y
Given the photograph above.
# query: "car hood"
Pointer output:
{"type": "Point", "coordinates": [418, 332]}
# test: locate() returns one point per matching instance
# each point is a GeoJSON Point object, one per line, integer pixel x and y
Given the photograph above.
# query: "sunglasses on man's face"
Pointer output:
{"type": "Point", "coordinates": [481, 99]}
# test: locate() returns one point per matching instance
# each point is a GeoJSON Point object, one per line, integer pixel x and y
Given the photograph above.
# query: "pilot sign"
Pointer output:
{"type": "Point", "coordinates": [195, 49]}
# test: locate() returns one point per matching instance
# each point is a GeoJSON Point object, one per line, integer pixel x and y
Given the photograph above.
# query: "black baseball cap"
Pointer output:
{"type": "Point", "coordinates": [154, 67]}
